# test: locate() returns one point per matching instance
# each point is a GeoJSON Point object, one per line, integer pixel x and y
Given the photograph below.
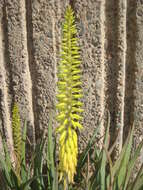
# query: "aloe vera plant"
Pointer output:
{"type": "Point", "coordinates": [107, 174]}
{"type": "Point", "coordinates": [69, 94]}
{"type": "Point", "coordinates": [22, 175]}
{"type": "Point", "coordinates": [94, 168]}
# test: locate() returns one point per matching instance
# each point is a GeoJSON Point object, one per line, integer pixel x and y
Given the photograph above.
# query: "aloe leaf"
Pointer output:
{"type": "Point", "coordinates": [25, 185]}
{"type": "Point", "coordinates": [50, 156]}
{"type": "Point", "coordinates": [84, 154]}
{"type": "Point", "coordinates": [123, 166]}
{"type": "Point", "coordinates": [132, 164]}
{"type": "Point", "coordinates": [98, 177]}
{"type": "Point", "coordinates": [38, 165]}
{"type": "Point", "coordinates": [29, 172]}
{"type": "Point", "coordinates": [109, 183]}
{"type": "Point", "coordinates": [5, 164]}
{"type": "Point", "coordinates": [117, 164]}
{"type": "Point", "coordinates": [7, 156]}
{"type": "Point", "coordinates": [96, 153]}
{"type": "Point", "coordinates": [138, 182]}
{"type": "Point", "coordinates": [94, 179]}
{"type": "Point", "coordinates": [104, 158]}
{"type": "Point", "coordinates": [5, 171]}
{"type": "Point", "coordinates": [119, 160]}
{"type": "Point", "coordinates": [15, 180]}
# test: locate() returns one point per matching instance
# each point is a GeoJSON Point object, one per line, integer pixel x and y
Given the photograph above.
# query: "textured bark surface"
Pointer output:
{"type": "Point", "coordinates": [111, 39]}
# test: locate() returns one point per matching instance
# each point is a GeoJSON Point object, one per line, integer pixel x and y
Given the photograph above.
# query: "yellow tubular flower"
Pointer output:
{"type": "Point", "coordinates": [69, 105]}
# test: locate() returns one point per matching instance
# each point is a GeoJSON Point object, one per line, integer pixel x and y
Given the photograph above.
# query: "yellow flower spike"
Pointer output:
{"type": "Point", "coordinates": [69, 105]}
